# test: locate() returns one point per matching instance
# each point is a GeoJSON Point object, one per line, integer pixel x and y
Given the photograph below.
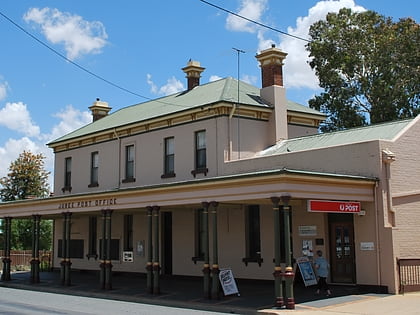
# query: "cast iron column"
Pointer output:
{"type": "Point", "coordinates": [156, 263]}
{"type": "Point", "coordinates": [206, 267]}
{"type": "Point", "coordinates": [35, 249]}
{"type": "Point", "coordinates": [102, 254]}
{"type": "Point", "coordinates": [278, 285]}
{"type": "Point", "coordinates": [289, 274]}
{"type": "Point", "coordinates": [67, 265]}
{"type": "Point", "coordinates": [149, 266]}
{"type": "Point", "coordinates": [215, 267]}
{"type": "Point", "coordinates": [63, 250]}
{"type": "Point", "coordinates": [108, 264]}
{"type": "Point", "coordinates": [5, 276]}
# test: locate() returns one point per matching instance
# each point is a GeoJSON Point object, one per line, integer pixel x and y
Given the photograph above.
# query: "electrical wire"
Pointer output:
{"type": "Point", "coordinates": [255, 22]}
{"type": "Point", "coordinates": [72, 62]}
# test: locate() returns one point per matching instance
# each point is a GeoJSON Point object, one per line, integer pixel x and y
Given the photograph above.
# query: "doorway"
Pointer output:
{"type": "Point", "coordinates": [342, 252]}
{"type": "Point", "coordinates": [167, 243]}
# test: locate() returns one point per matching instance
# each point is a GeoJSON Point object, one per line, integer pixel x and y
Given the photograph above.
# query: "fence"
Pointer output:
{"type": "Point", "coordinates": [409, 272]}
{"type": "Point", "coordinates": [21, 259]}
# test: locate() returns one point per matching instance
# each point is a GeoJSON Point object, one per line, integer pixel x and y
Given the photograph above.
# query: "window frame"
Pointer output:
{"type": "Point", "coordinates": [67, 174]}
{"type": "Point", "coordinates": [130, 158]}
{"type": "Point", "coordinates": [128, 233]}
{"type": "Point", "coordinates": [92, 240]}
{"type": "Point", "coordinates": [252, 235]}
{"type": "Point", "coordinates": [200, 153]}
{"type": "Point", "coordinates": [169, 158]}
{"type": "Point", "coordinates": [94, 169]}
{"type": "Point", "coordinates": [198, 235]}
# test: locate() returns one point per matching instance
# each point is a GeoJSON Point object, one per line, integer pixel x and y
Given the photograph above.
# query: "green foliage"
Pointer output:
{"type": "Point", "coordinates": [368, 66]}
{"type": "Point", "coordinates": [21, 238]}
{"type": "Point", "coordinates": [26, 178]}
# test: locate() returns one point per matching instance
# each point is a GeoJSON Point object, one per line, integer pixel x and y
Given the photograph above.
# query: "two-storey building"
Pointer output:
{"type": "Point", "coordinates": [226, 174]}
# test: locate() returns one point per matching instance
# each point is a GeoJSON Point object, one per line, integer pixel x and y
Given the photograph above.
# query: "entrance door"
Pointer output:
{"type": "Point", "coordinates": [342, 249]}
{"type": "Point", "coordinates": [167, 243]}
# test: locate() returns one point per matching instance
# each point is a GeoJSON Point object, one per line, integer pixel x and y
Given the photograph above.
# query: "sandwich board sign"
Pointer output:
{"type": "Point", "coordinates": [228, 282]}
{"type": "Point", "coordinates": [307, 272]}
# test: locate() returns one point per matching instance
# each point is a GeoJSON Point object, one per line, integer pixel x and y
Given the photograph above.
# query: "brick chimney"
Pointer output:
{"type": "Point", "coordinates": [273, 91]}
{"type": "Point", "coordinates": [99, 109]}
{"type": "Point", "coordinates": [271, 63]}
{"type": "Point", "coordinates": [193, 73]}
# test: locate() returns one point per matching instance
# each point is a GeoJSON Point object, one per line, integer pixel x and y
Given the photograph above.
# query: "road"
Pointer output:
{"type": "Point", "coordinates": [24, 302]}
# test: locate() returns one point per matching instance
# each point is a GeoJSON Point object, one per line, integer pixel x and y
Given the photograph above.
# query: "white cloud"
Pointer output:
{"type": "Point", "coordinates": [298, 73]}
{"type": "Point", "coordinates": [78, 35]}
{"type": "Point", "coordinates": [16, 116]}
{"type": "Point", "coordinates": [250, 79]}
{"type": "Point", "coordinates": [172, 86]}
{"type": "Point", "coordinates": [11, 150]}
{"type": "Point", "coordinates": [4, 87]}
{"type": "Point", "coordinates": [70, 119]}
{"type": "Point", "coordinates": [214, 78]}
{"type": "Point", "coordinates": [251, 9]}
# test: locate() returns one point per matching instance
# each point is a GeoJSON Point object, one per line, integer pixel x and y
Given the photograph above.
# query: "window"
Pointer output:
{"type": "Point", "coordinates": [200, 153]}
{"type": "Point", "coordinates": [93, 228]}
{"type": "Point", "coordinates": [67, 174]}
{"type": "Point", "coordinates": [199, 236]}
{"type": "Point", "coordinates": [169, 163]}
{"type": "Point", "coordinates": [129, 164]}
{"type": "Point", "coordinates": [128, 232]}
{"type": "Point", "coordinates": [252, 237]}
{"type": "Point", "coordinates": [94, 167]}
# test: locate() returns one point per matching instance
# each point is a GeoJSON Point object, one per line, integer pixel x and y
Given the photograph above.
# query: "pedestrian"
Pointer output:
{"type": "Point", "coordinates": [322, 267]}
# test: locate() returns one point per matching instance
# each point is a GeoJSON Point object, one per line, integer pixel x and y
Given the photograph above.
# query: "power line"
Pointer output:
{"type": "Point", "coordinates": [255, 22]}
{"type": "Point", "coordinates": [72, 62]}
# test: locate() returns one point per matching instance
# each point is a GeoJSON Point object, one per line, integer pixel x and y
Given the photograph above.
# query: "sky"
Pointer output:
{"type": "Point", "coordinates": [57, 57]}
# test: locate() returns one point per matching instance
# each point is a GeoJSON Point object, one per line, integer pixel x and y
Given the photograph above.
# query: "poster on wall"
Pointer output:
{"type": "Point", "coordinates": [307, 272]}
{"type": "Point", "coordinates": [228, 282]}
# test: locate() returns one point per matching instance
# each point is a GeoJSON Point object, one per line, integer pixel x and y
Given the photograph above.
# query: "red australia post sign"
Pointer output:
{"type": "Point", "coordinates": [333, 206]}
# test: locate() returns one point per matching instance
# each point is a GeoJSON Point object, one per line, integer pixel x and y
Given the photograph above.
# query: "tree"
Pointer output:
{"type": "Point", "coordinates": [27, 178]}
{"type": "Point", "coordinates": [368, 66]}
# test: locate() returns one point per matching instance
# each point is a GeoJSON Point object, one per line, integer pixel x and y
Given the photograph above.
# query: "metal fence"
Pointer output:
{"type": "Point", "coordinates": [409, 272]}
{"type": "Point", "coordinates": [21, 259]}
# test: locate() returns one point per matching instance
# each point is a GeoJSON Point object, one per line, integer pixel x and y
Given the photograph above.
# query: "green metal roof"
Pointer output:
{"type": "Point", "coordinates": [384, 131]}
{"type": "Point", "coordinates": [223, 90]}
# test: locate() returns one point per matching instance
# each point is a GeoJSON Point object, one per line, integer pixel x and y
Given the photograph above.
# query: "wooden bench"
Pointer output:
{"type": "Point", "coordinates": [409, 274]}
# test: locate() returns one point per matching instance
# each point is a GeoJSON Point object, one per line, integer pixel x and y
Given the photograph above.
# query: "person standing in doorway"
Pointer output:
{"type": "Point", "coordinates": [322, 267]}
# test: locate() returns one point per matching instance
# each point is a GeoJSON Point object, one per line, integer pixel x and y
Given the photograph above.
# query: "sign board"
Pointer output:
{"type": "Point", "coordinates": [128, 257]}
{"type": "Point", "coordinates": [307, 230]}
{"type": "Point", "coordinates": [228, 282]}
{"type": "Point", "coordinates": [307, 272]}
{"type": "Point", "coordinates": [367, 246]}
{"type": "Point", "coordinates": [334, 206]}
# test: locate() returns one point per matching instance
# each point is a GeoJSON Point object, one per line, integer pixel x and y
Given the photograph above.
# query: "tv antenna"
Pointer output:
{"type": "Point", "coordinates": [239, 52]}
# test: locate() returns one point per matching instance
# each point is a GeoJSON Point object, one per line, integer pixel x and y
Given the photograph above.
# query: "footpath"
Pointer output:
{"type": "Point", "coordinates": [367, 304]}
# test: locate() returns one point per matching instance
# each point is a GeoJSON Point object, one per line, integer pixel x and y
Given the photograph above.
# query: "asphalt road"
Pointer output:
{"type": "Point", "coordinates": [24, 302]}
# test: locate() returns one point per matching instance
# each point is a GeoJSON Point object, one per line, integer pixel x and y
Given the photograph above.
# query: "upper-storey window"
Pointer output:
{"type": "Point", "coordinates": [129, 163]}
{"type": "Point", "coordinates": [169, 158]}
{"type": "Point", "coordinates": [200, 153]}
{"type": "Point", "coordinates": [67, 174]}
{"type": "Point", "coordinates": [94, 169]}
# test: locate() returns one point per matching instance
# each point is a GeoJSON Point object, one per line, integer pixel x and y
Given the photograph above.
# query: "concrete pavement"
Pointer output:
{"type": "Point", "coordinates": [366, 304]}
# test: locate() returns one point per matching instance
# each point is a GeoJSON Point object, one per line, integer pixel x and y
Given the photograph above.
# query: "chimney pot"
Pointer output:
{"type": "Point", "coordinates": [99, 109]}
{"type": "Point", "coordinates": [271, 63]}
{"type": "Point", "coordinates": [193, 73]}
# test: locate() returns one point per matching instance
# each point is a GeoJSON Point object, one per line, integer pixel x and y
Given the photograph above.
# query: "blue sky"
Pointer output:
{"type": "Point", "coordinates": [140, 46]}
